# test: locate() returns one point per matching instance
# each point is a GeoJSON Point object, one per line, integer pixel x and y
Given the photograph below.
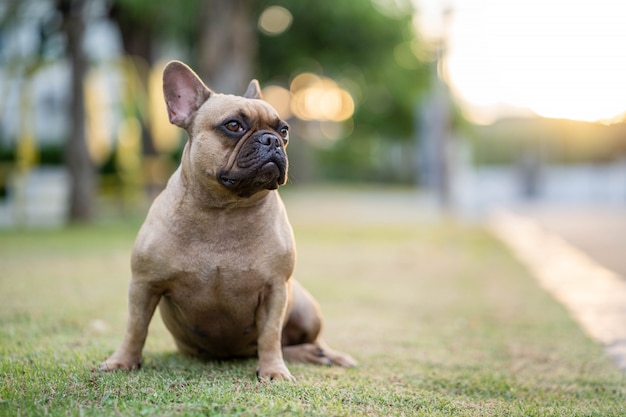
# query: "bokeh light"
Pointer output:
{"type": "Point", "coordinates": [320, 102]}
{"type": "Point", "coordinates": [320, 98]}
{"type": "Point", "coordinates": [275, 20]}
{"type": "Point", "coordinates": [279, 98]}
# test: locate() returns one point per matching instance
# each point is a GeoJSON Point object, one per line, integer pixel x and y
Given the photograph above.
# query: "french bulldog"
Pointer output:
{"type": "Point", "coordinates": [216, 252]}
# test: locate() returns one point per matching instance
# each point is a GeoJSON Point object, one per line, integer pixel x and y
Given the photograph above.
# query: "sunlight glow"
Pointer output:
{"type": "Point", "coordinates": [556, 58]}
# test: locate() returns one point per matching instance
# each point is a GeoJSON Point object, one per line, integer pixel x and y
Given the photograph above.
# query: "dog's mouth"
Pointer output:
{"type": "Point", "coordinates": [268, 176]}
{"type": "Point", "coordinates": [271, 175]}
{"type": "Point", "coordinates": [229, 182]}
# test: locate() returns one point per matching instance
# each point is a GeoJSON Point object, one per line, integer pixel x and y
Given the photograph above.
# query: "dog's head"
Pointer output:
{"type": "Point", "coordinates": [236, 143]}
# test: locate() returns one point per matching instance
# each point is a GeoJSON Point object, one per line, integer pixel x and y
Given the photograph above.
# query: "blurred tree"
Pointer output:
{"type": "Point", "coordinates": [217, 37]}
{"type": "Point", "coordinates": [147, 24]}
{"type": "Point", "coordinates": [371, 48]}
{"type": "Point", "coordinates": [81, 169]}
{"type": "Point", "coordinates": [227, 44]}
{"type": "Point", "coordinates": [51, 20]}
{"type": "Point", "coordinates": [144, 26]}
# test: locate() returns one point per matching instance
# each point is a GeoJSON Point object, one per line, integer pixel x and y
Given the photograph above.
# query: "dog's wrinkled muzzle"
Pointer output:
{"type": "Point", "coordinates": [260, 165]}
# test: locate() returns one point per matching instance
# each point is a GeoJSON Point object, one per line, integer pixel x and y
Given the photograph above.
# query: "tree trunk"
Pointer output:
{"type": "Point", "coordinates": [81, 170]}
{"type": "Point", "coordinates": [228, 45]}
{"type": "Point", "coordinates": [137, 38]}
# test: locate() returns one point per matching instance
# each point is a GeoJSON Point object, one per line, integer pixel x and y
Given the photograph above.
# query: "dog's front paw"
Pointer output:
{"type": "Point", "coordinates": [272, 373]}
{"type": "Point", "coordinates": [123, 363]}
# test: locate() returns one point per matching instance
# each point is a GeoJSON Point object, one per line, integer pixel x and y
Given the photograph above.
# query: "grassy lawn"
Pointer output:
{"type": "Point", "coordinates": [442, 319]}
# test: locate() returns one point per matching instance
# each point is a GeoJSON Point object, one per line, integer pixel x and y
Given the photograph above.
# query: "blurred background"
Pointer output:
{"type": "Point", "coordinates": [471, 103]}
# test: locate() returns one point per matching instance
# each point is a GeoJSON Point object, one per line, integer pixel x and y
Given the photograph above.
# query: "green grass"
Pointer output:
{"type": "Point", "coordinates": [440, 316]}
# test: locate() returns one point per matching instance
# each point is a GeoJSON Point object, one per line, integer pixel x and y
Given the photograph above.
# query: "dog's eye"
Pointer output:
{"type": "Point", "coordinates": [234, 126]}
{"type": "Point", "coordinates": [284, 132]}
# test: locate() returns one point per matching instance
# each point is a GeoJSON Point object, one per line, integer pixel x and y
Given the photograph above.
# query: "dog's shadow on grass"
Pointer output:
{"type": "Point", "coordinates": [176, 364]}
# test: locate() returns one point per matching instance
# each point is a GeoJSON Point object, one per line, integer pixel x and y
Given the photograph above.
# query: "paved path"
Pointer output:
{"type": "Point", "coordinates": [579, 255]}
{"type": "Point", "coordinates": [599, 231]}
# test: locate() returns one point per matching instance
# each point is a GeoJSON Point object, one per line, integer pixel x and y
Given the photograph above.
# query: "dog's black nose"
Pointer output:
{"type": "Point", "coordinates": [268, 139]}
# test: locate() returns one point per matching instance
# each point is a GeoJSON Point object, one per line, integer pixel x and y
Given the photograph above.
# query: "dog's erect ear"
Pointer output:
{"type": "Point", "coordinates": [254, 90]}
{"type": "Point", "coordinates": [184, 93]}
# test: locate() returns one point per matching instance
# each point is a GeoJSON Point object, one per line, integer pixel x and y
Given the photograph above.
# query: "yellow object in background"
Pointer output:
{"type": "Point", "coordinates": [97, 124]}
{"type": "Point", "coordinates": [166, 136]}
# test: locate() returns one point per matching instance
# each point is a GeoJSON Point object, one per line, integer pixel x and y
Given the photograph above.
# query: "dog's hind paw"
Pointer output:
{"type": "Point", "coordinates": [318, 355]}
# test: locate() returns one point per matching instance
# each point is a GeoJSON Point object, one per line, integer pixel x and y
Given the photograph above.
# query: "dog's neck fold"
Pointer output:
{"type": "Point", "coordinates": [208, 194]}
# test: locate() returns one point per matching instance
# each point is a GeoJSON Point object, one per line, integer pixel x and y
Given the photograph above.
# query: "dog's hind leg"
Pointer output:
{"type": "Point", "coordinates": [301, 335]}
{"type": "Point", "coordinates": [319, 354]}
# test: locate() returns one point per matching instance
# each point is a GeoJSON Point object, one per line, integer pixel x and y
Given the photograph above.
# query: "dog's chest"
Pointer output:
{"type": "Point", "coordinates": [212, 301]}
{"type": "Point", "coordinates": [209, 271]}
{"type": "Point", "coordinates": [215, 279]}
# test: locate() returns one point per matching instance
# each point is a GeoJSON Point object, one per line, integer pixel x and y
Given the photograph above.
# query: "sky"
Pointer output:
{"type": "Point", "coordinates": [555, 58]}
